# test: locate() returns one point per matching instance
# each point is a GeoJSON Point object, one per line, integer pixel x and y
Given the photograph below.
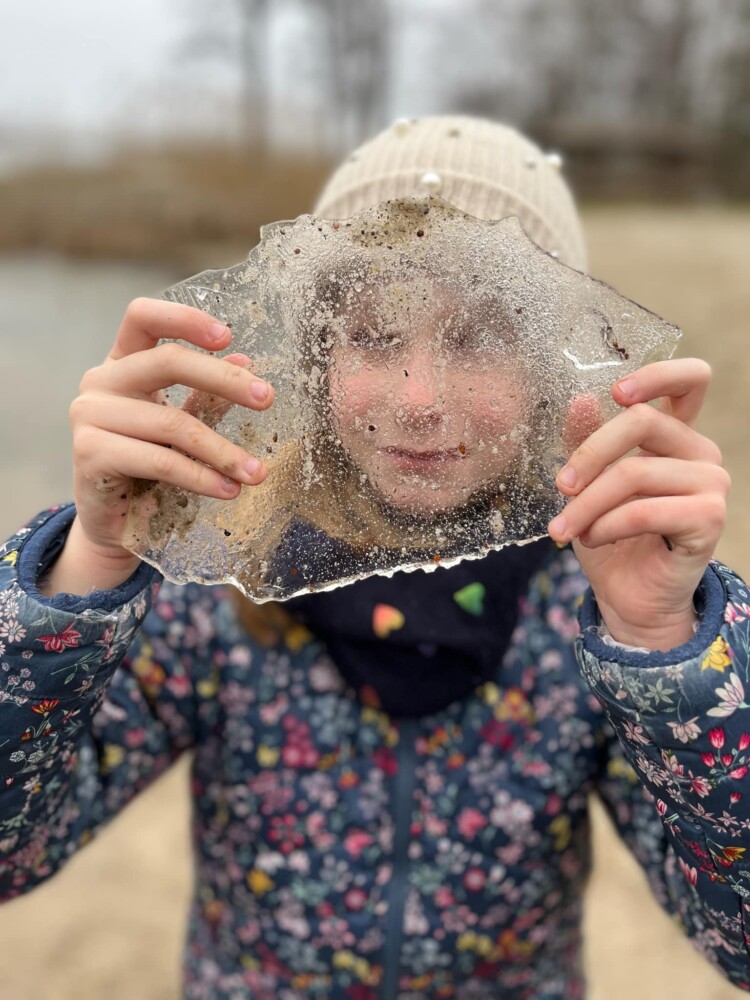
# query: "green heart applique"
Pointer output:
{"type": "Point", "coordinates": [471, 598]}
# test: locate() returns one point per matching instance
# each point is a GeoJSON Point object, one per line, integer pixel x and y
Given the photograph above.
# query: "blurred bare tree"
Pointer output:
{"type": "Point", "coordinates": [235, 31]}
{"type": "Point", "coordinates": [351, 64]}
{"type": "Point", "coordinates": [358, 57]}
{"type": "Point", "coordinates": [625, 85]}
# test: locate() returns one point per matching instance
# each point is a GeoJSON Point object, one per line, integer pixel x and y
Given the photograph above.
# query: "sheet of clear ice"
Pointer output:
{"type": "Point", "coordinates": [431, 372]}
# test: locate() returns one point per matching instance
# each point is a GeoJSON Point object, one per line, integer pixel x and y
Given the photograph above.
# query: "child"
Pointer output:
{"type": "Point", "coordinates": [391, 779]}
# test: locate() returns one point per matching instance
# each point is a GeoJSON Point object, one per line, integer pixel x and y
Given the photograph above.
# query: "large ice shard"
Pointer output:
{"type": "Point", "coordinates": [429, 371]}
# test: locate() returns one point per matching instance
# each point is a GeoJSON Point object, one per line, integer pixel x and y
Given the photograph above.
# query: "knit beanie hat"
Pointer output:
{"type": "Point", "coordinates": [483, 168]}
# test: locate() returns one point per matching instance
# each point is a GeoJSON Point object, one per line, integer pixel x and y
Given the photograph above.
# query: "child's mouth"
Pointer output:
{"type": "Point", "coordinates": [412, 459]}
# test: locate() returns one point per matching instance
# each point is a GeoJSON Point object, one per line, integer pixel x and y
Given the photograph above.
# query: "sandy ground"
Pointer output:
{"type": "Point", "coordinates": [110, 926]}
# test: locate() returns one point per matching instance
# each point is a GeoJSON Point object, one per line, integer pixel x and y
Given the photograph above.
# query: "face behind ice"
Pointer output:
{"type": "Point", "coordinates": [429, 396]}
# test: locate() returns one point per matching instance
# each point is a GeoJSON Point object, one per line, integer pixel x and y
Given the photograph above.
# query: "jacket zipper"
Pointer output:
{"type": "Point", "coordinates": [402, 804]}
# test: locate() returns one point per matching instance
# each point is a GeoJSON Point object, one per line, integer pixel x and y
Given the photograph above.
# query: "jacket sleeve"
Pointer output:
{"type": "Point", "coordinates": [683, 728]}
{"type": "Point", "coordinates": [92, 706]}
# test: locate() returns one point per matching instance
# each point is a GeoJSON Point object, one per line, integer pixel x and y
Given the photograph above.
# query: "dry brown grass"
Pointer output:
{"type": "Point", "coordinates": [176, 205]}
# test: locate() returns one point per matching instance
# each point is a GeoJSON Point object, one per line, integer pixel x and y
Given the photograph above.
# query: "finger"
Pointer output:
{"type": "Point", "coordinates": [632, 478]}
{"type": "Point", "coordinates": [643, 427]}
{"type": "Point", "coordinates": [212, 409]}
{"type": "Point", "coordinates": [584, 416]}
{"type": "Point", "coordinates": [145, 373]}
{"type": "Point", "coordinates": [145, 460]}
{"type": "Point", "coordinates": [167, 425]}
{"type": "Point", "coordinates": [680, 384]}
{"type": "Point", "coordinates": [692, 523]}
{"type": "Point", "coordinates": [147, 321]}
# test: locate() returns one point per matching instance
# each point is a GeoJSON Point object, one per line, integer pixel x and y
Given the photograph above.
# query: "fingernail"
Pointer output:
{"type": "Point", "coordinates": [558, 526]}
{"type": "Point", "coordinates": [259, 391]}
{"type": "Point", "coordinates": [252, 467]}
{"type": "Point", "coordinates": [217, 331]}
{"type": "Point", "coordinates": [627, 387]}
{"type": "Point", "coordinates": [567, 476]}
{"type": "Point", "coordinates": [230, 486]}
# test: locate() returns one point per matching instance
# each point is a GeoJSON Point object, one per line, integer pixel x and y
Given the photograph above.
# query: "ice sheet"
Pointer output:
{"type": "Point", "coordinates": [431, 371]}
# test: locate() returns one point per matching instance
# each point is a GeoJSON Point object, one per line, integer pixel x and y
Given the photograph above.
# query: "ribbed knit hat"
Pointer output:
{"type": "Point", "coordinates": [486, 169]}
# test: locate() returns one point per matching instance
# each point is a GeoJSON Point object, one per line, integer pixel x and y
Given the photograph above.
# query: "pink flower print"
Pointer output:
{"type": "Point", "coordinates": [738, 772]}
{"type": "Point", "coordinates": [249, 932]}
{"type": "Point", "coordinates": [553, 804]}
{"type": "Point", "coordinates": [275, 796]}
{"type": "Point", "coordinates": [690, 873]}
{"type": "Point", "coordinates": [67, 639]}
{"type": "Point", "coordinates": [562, 622]}
{"type": "Point", "coordinates": [497, 734]}
{"type": "Point", "coordinates": [334, 933]}
{"type": "Point", "coordinates": [444, 898]}
{"type": "Point", "coordinates": [385, 760]}
{"type": "Point", "coordinates": [685, 732]}
{"type": "Point", "coordinates": [457, 919]}
{"type": "Point", "coordinates": [272, 712]}
{"type": "Point", "coordinates": [355, 899]}
{"type": "Point", "coordinates": [672, 763]}
{"type": "Point", "coordinates": [636, 734]}
{"type": "Point", "coordinates": [359, 991]}
{"type": "Point", "coordinates": [717, 737]}
{"type": "Point", "coordinates": [708, 758]}
{"type": "Point", "coordinates": [324, 677]}
{"type": "Point", "coordinates": [536, 768]}
{"type": "Point", "coordinates": [299, 861]}
{"type": "Point", "coordinates": [470, 822]}
{"type": "Point", "coordinates": [434, 826]}
{"type": "Point", "coordinates": [239, 656]}
{"type": "Point", "coordinates": [732, 697]}
{"type": "Point", "coordinates": [179, 686]}
{"type": "Point", "coordinates": [474, 879]}
{"type": "Point", "coordinates": [735, 797]}
{"type": "Point", "coordinates": [284, 834]}
{"type": "Point", "coordinates": [294, 755]}
{"type": "Point", "coordinates": [355, 842]}
{"type": "Point", "coordinates": [107, 637]}
{"type": "Point", "coordinates": [744, 742]}
{"type": "Point", "coordinates": [734, 613]}
{"type": "Point", "coordinates": [701, 787]}
{"type": "Point", "coordinates": [315, 824]}
{"type": "Point", "coordinates": [165, 611]}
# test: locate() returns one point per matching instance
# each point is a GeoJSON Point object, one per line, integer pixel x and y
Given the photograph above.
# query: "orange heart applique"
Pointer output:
{"type": "Point", "coordinates": [386, 619]}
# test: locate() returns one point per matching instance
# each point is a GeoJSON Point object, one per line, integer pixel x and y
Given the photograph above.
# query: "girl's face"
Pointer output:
{"type": "Point", "coordinates": [427, 394]}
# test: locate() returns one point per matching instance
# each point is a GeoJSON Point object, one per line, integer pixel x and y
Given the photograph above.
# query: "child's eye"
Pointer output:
{"type": "Point", "coordinates": [373, 339]}
{"type": "Point", "coordinates": [481, 337]}
{"type": "Point", "coordinates": [458, 338]}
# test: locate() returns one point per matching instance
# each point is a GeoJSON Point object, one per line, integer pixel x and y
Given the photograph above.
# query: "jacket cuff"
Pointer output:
{"type": "Point", "coordinates": [638, 685]}
{"type": "Point", "coordinates": [709, 602]}
{"type": "Point", "coordinates": [39, 544]}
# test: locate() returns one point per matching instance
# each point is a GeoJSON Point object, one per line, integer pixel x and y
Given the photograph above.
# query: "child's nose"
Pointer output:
{"type": "Point", "coordinates": [418, 403]}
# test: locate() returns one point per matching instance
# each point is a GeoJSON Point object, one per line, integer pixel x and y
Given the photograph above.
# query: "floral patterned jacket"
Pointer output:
{"type": "Point", "coordinates": [340, 854]}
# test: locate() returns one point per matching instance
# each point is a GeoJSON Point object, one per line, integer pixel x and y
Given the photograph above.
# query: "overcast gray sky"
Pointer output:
{"type": "Point", "coordinates": [71, 60]}
{"type": "Point", "coordinates": [84, 64]}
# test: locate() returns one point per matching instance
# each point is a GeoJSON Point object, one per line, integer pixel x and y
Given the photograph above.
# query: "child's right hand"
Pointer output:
{"type": "Point", "coordinates": [123, 431]}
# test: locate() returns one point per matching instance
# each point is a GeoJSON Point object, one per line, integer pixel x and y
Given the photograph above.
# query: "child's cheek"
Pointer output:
{"type": "Point", "coordinates": [358, 399]}
{"type": "Point", "coordinates": [495, 410]}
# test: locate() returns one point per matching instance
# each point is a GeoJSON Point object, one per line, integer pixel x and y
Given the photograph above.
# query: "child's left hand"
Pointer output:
{"type": "Point", "coordinates": [645, 526]}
